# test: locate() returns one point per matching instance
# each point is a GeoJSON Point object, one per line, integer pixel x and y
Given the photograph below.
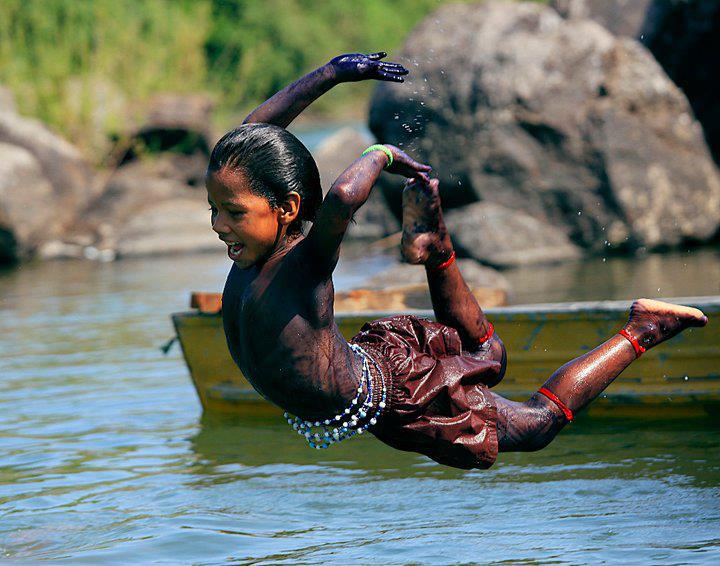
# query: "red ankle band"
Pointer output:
{"type": "Point", "coordinates": [639, 350]}
{"type": "Point", "coordinates": [447, 263]}
{"type": "Point", "coordinates": [488, 334]}
{"type": "Point", "coordinates": [554, 398]}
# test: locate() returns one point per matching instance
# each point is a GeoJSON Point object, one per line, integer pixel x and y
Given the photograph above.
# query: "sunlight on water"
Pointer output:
{"type": "Point", "coordinates": [105, 454]}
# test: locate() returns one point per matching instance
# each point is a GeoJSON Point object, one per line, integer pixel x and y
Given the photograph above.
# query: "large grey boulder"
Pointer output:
{"type": "Point", "coordinates": [28, 214]}
{"type": "Point", "coordinates": [109, 220]}
{"type": "Point", "coordinates": [557, 118]}
{"type": "Point", "coordinates": [179, 225]}
{"type": "Point", "coordinates": [684, 36]}
{"type": "Point", "coordinates": [502, 237]}
{"type": "Point", "coordinates": [619, 17]}
{"type": "Point", "coordinates": [374, 220]}
{"type": "Point", "coordinates": [61, 163]}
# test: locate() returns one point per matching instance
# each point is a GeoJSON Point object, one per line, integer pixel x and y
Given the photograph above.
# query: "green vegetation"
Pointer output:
{"type": "Point", "coordinates": [85, 67]}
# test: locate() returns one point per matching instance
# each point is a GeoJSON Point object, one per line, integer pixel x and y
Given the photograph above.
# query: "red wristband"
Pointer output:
{"type": "Point", "coordinates": [488, 334]}
{"type": "Point", "coordinates": [445, 264]}
{"type": "Point", "coordinates": [554, 398]}
{"type": "Point", "coordinates": [639, 350]}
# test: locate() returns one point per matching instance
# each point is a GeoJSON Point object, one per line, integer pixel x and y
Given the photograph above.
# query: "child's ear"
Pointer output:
{"type": "Point", "coordinates": [290, 208]}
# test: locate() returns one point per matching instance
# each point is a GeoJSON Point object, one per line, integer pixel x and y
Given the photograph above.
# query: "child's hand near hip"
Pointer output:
{"type": "Point", "coordinates": [353, 67]}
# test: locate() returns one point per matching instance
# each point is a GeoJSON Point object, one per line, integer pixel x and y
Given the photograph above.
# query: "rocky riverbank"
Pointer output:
{"type": "Point", "coordinates": [556, 131]}
{"type": "Point", "coordinates": [575, 138]}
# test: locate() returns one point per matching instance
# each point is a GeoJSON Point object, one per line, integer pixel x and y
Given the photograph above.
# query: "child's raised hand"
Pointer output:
{"type": "Point", "coordinates": [406, 166]}
{"type": "Point", "coordinates": [353, 67]}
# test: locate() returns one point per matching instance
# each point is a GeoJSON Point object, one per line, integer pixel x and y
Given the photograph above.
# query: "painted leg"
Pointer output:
{"type": "Point", "coordinates": [425, 241]}
{"type": "Point", "coordinates": [533, 424]}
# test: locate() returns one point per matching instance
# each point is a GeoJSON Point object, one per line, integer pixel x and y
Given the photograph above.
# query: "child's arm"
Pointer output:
{"type": "Point", "coordinates": [347, 194]}
{"type": "Point", "coordinates": [283, 107]}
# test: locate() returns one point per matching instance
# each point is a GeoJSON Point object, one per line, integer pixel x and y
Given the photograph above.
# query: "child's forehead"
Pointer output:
{"type": "Point", "coordinates": [227, 183]}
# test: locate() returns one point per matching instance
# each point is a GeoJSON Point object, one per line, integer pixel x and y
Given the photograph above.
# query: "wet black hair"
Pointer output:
{"type": "Point", "coordinates": [275, 163]}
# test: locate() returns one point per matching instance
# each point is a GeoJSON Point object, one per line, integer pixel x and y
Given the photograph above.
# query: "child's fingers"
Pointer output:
{"type": "Point", "coordinates": [393, 67]}
{"type": "Point", "coordinates": [376, 56]}
{"type": "Point", "coordinates": [419, 166]}
{"type": "Point", "coordinates": [388, 76]}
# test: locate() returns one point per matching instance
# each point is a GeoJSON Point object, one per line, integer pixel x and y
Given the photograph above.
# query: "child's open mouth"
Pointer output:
{"type": "Point", "coordinates": [234, 250]}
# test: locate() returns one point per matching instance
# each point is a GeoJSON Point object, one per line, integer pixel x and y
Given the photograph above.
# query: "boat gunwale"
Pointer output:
{"type": "Point", "coordinates": [586, 307]}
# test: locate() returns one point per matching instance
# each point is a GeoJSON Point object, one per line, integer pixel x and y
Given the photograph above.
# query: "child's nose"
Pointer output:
{"type": "Point", "coordinates": [219, 225]}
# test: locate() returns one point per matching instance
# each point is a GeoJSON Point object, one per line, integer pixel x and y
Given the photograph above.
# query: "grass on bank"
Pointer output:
{"type": "Point", "coordinates": [87, 68]}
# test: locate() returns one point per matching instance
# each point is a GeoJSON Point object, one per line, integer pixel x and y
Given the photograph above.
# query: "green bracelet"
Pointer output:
{"type": "Point", "coordinates": [380, 147]}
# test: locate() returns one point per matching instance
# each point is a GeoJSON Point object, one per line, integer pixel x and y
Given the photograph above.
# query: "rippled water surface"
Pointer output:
{"type": "Point", "coordinates": [105, 454]}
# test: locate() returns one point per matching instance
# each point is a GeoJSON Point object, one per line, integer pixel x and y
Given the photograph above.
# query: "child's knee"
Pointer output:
{"type": "Point", "coordinates": [526, 427]}
{"type": "Point", "coordinates": [497, 353]}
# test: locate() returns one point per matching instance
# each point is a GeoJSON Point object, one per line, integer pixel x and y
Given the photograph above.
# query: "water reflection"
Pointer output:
{"type": "Point", "coordinates": [675, 274]}
{"type": "Point", "coordinates": [106, 456]}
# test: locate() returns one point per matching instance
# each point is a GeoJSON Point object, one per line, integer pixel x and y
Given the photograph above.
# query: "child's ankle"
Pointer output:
{"type": "Point", "coordinates": [441, 260]}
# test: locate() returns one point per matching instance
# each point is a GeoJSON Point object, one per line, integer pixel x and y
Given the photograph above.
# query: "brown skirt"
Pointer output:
{"type": "Point", "coordinates": [438, 399]}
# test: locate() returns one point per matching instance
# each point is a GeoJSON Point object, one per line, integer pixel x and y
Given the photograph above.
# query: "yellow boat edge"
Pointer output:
{"type": "Point", "coordinates": [678, 379]}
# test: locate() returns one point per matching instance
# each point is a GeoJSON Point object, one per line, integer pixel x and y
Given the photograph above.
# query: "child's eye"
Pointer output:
{"type": "Point", "coordinates": [235, 213]}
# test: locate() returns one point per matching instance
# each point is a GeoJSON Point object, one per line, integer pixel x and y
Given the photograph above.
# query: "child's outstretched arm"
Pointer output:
{"type": "Point", "coordinates": [283, 107]}
{"type": "Point", "coordinates": [347, 194]}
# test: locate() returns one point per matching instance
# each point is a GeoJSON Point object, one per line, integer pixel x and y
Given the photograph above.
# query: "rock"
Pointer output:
{"type": "Point", "coordinates": [557, 118]}
{"type": "Point", "coordinates": [336, 152]}
{"type": "Point", "coordinates": [685, 38]}
{"type": "Point", "coordinates": [130, 189]}
{"type": "Point", "coordinates": [169, 227]}
{"type": "Point", "coordinates": [28, 212]}
{"type": "Point", "coordinates": [403, 274]}
{"type": "Point", "coordinates": [191, 112]}
{"type": "Point", "coordinates": [503, 237]}
{"type": "Point", "coordinates": [61, 164]}
{"type": "Point", "coordinates": [620, 17]}
{"type": "Point", "coordinates": [180, 123]}
{"type": "Point", "coordinates": [374, 220]}
{"type": "Point", "coordinates": [129, 193]}
{"type": "Point", "coordinates": [58, 249]}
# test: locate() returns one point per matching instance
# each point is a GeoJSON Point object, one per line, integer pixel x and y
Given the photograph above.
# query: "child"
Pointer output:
{"type": "Point", "coordinates": [415, 384]}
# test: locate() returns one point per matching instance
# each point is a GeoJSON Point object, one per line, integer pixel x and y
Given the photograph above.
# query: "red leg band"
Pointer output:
{"type": "Point", "coordinates": [639, 350]}
{"type": "Point", "coordinates": [554, 398]}
{"type": "Point", "coordinates": [488, 334]}
{"type": "Point", "coordinates": [447, 263]}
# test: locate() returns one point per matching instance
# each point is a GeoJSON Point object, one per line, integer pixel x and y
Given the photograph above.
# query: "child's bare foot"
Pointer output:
{"type": "Point", "coordinates": [652, 322]}
{"type": "Point", "coordinates": [424, 237]}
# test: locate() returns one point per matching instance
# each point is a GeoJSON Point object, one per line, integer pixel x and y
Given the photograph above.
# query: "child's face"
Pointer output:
{"type": "Point", "coordinates": [244, 221]}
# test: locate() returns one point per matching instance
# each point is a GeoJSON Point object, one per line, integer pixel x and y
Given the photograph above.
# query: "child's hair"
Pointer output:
{"type": "Point", "coordinates": [275, 163]}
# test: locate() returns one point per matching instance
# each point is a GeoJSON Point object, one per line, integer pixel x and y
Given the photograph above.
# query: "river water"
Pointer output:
{"type": "Point", "coordinates": [105, 455]}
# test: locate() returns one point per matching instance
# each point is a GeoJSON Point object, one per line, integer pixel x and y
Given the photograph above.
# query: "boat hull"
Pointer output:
{"type": "Point", "coordinates": [679, 378]}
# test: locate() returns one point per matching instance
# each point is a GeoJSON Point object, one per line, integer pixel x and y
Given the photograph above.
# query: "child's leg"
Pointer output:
{"type": "Point", "coordinates": [425, 240]}
{"type": "Point", "coordinates": [533, 424]}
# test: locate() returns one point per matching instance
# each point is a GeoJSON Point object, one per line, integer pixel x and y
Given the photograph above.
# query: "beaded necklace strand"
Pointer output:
{"type": "Point", "coordinates": [344, 425]}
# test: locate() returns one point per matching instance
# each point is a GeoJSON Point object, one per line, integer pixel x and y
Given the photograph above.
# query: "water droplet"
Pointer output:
{"type": "Point", "coordinates": [604, 259]}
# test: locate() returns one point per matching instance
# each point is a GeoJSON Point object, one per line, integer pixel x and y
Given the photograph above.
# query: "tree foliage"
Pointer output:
{"type": "Point", "coordinates": [84, 67]}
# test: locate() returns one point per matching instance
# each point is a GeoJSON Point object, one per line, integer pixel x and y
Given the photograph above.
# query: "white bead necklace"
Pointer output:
{"type": "Point", "coordinates": [355, 419]}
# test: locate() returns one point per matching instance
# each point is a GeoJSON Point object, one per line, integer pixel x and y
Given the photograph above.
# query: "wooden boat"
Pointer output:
{"type": "Point", "coordinates": [679, 378]}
